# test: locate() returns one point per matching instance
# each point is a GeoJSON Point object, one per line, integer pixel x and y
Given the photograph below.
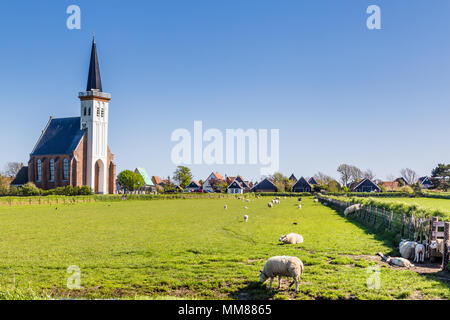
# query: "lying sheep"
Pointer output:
{"type": "Point", "coordinates": [316, 200]}
{"type": "Point", "coordinates": [270, 204]}
{"type": "Point", "coordinates": [419, 254]}
{"type": "Point", "coordinates": [291, 238]}
{"type": "Point", "coordinates": [396, 261]}
{"type": "Point", "coordinates": [352, 209]}
{"type": "Point", "coordinates": [225, 207]}
{"type": "Point", "coordinates": [282, 266]}
{"type": "Point", "coordinates": [245, 218]}
{"type": "Point", "coordinates": [245, 208]}
{"type": "Point", "coordinates": [407, 249]}
{"type": "Point", "coordinates": [299, 206]}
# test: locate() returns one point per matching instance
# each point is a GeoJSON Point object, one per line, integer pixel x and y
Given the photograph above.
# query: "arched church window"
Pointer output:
{"type": "Point", "coordinates": [39, 170]}
{"type": "Point", "coordinates": [66, 169]}
{"type": "Point", "coordinates": [89, 112]}
{"type": "Point", "coordinates": [84, 110]}
{"type": "Point", "coordinates": [52, 170]}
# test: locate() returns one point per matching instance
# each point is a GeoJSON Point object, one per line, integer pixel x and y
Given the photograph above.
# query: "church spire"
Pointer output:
{"type": "Point", "coordinates": [94, 80]}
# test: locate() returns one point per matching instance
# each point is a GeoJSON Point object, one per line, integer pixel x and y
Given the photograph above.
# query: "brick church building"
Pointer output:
{"type": "Point", "coordinates": [74, 151]}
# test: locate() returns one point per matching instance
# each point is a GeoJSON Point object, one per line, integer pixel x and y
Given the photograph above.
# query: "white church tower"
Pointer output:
{"type": "Point", "coordinates": [94, 119]}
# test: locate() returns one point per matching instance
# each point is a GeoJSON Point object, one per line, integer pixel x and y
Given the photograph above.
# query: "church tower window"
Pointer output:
{"type": "Point", "coordinates": [66, 169]}
{"type": "Point", "coordinates": [39, 170]}
{"type": "Point", "coordinates": [89, 112]}
{"type": "Point", "coordinates": [52, 170]}
{"type": "Point", "coordinates": [98, 112]}
{"type": "Point", "coordinates": [85, 111]}
{"type": "Point", "coordinates": [103, 113]}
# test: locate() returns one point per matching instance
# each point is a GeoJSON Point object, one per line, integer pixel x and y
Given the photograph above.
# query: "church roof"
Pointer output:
{"type": "Point", "coordinates": [21, 177]}
{"type": "Point", "coordinates": [61, 136]}
{"type": "Point", "coordinates": [94, 80]}
{"type": "Point", "coordinates": [147, 180]}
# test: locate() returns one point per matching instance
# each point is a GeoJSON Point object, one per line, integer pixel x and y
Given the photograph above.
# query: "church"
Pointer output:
{"type": "Point", "coordinates": [74, 151]}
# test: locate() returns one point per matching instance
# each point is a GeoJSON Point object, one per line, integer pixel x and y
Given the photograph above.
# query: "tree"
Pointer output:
{"type": "Point", "coordinates": [182, 176]}
{"type": "Point", "coordinates": [349, 173]}
{"type": "Point", "coordinates": [440, 177]}
{"type": "Point", "coordinates": [409, 175]}
{"type": "Point", "coordinates": [218, 185]}
{"type": "Point", "coordinates": [129, 180]}
{"type": "Point", "coordinates": [4, 185]}
{"type": "Point", "coordinates": [322, 178]}
{"type": "Point", "coordinates": [368, 174]}
{"type": "Point", "coordinates": [282, 182]}
{"type": "Point", "coordinates": [12, 168]}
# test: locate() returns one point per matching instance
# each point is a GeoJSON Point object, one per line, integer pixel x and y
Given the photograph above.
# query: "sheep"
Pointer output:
{"type": "Point", "coordinates": [270, 204]}
{"type": "Point", "coordinates": [282, 266]}
{"type": "Point", "coordinates": [316, 200]}
{"type": "Point", "coordinates": [437, 245]}
{"type": "Point", "coordinates": [407, 248]}
{"type": "Point", "coordinates": [225, 207]}
{"type": "Point", "coordinates": [352, 209]}
{"type": "Point", "coordinates": [291, 238]}
{"type": "Point", "coordinates": [400, 262]}
{"type": "Point", "coordinates": [325, 204]}
{"type": "Point", "coordinates": [419, 255]}
{"type": "Point", "coordinates": [299, 206]}
{"type": "Point", "coordinates": [299, 199]}
{"type": "Point", "coordinates": [245, 218]}
{"type": "Point", "coordinates": [248, 200]}
{"type": "Point", "coordinates": [245, 208]}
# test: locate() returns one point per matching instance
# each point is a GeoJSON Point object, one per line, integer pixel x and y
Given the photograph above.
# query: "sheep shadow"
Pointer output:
{"type": "Point", "coordinates": [253, 291]}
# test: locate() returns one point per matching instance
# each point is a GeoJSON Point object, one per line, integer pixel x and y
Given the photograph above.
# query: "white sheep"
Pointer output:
{"type": "Point", "coordinates": [407, 249]}
{"type": "Point", "coordinates": [245, 218]}
{"type": "Point", "coordinates": [225, 207]}
{"type": "Point", "coordinates": [400, 262]}
{"type": "Point", "coordinates": [291, 238]}
{"type": "Point", "coordinates": [248, 200]}
{"type": "Point", "coordinates": [352, 209]}
{"type": "Point", "coordinates": [419, 255]}
{"type": "Point", "coordinates": [282, 266]}
{"type": "Point", "coordinates": [270, 204]}
{"type": "Point", "coordinates": [299, 206]}
{"type": "Point", "coordinates": [245, 208]}
{"type": "Point", "coordinates": [316, 200]}
{"type": "Point", "coordinates": [438, 245]}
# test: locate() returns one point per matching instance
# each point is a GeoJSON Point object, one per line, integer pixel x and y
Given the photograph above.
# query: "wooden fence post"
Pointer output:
{"type": "Point", "coordinates": [375, 216]}
{"type": "Point", "coordinates": [391, 215]}
{"type": "Point", "coordinates": [446, 244]}
{"type": "Point", "coordinates": [403, 225]}
{"type": "Point", "coordinates": [434, 228]}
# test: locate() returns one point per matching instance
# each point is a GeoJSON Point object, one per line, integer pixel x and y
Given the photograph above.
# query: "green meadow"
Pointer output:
{"type": "Point", "coordinates": [430, 203]}
{"type": "Point", "coordinates": [193, 249]}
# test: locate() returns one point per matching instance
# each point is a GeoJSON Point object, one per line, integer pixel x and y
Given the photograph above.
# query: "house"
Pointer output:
{"type": "Point", "coordinates": [212, 177]}
{"type": "Point", "coordinates": [194, 186]}
{"type": "Point", "coordinates": [156, 180]}
{"type": "Point", "coordinates": [364, 185]}
{"type": "Point", "coordinates": [148, 183]}
{"type": "Point", "coordinates": [426, 182]}
{"type": "Point", "coordinates": [245, 184]}
{"type": "Point", "coordinates": [302, 186]}
{"type": "Point", "coordinates": [401, 182]}
{"type": "Point", "coordinates": [312, 181]}
{"type": "Point", "coordinates": [390, 185]}
{"type": "Point", "coordinates": [265, 185]}
{"type": "Point", "coordinates": [21, 178]}
{"type": "Point", "coordinates": [293, 178]}
{"type": "Point", "coordinates": [235, 187]}
{"type": "Point", "coordinates": [74, 151]}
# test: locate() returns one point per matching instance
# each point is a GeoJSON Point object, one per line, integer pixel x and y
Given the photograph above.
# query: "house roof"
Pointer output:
{"type": "Point", "coordinates": [266, 182]}
{"type": "Point", "coordinates": [147, 180]}
{"type": "Point", "coordinates": [293, 178]}
{"type": "Point", "coordinates": [195, 183]}
{"type": "Point", "coordinates": [242, 182]}
{"type": "Point", "coordinates": [94, 79]}
{"type": "Point", "coordinates": [301, 181]}
{"type": "Point", "coordinates": [356, 184]}
{"type": "Point", "coordinates": [61, 136]}
{"type": "Point", "coordinates": [235, 185]}
{"type": "Point", "coordinates": [218, 176]}
{"type": "Point", "coordinates": [21, 177]}
{"type": "Point", "coordinates": [230, 179]}
{"type": "Point", "coordinates": [390, 184]}
{"type": "Point", "coordinates": [312, 181]}
{"type": "Point", "coordinates": [156, 180]}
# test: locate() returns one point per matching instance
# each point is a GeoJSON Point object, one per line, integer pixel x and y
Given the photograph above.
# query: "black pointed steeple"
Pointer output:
{"type": "Point", "coordinates": [94, 80]}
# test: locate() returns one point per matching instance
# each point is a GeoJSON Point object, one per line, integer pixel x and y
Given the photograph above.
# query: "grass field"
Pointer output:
{"type": "Point", "coordinates": [442, 204]}
{"type": "Point", "coordinates": [192, 249]}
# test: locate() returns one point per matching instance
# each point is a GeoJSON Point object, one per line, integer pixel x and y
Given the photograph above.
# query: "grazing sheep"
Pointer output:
{"type": "Point", "coordinates": [352, 209]}
{"type": "Point", "coordinates": [316, 200]}
{"type": "Point", "coordinates": [270, 204]}
{"type": "Point", "coordinates": [282, 266]}
{"type": "Point", "coordinates": [245, 208]}
{"type": "Point", "coordinates": [419, 255]}
{"type": "Point", "coordinates": [299, 206]}
{"type": "Point", "coordinates": [407, 249]}
{"type": "Point", "coordinates": [225, 207]}
{"type": "Point", "coordinates": [245, 218]}
{"type": "Point", "coordinates": [291, 238]}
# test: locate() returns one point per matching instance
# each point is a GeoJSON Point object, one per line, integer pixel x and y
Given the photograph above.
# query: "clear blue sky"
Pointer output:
{"type": "Point", "coordinates": [338, 92]}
